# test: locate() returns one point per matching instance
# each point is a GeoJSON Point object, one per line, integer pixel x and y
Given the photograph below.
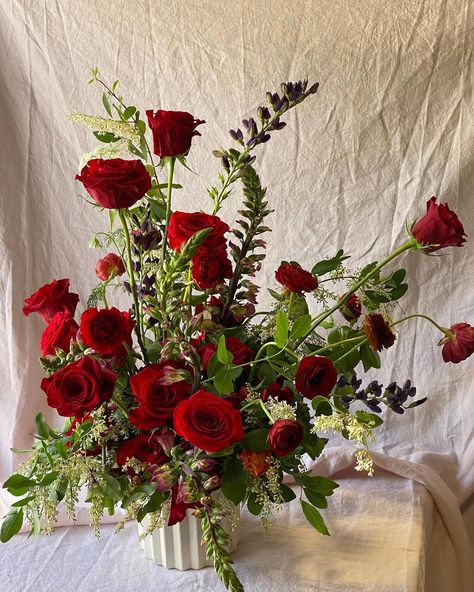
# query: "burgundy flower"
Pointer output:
{"type": "Point", "coordinates": [241, 353]}
{"type": "Point", "coordinates": [352, 308]}
{"type": "Point", "coordinates": [178, 506]}
{"type": "Point", "coordinates": [295, 279]}
{"type": "Point", "coordinates": [79, 388]}
{"type": "Point", "coordinates": [115, 182]}
{"type": "Point", "coordinates": [439, 227]}
{"type": "Point", "coordinates": [145, 447]}
{"type": "Point", "coordinates": [58, 334]}
{"type": "Point", "coordinates": [315, 376]}
{"type": "Point", "coordinates": [109, 267]}
{"type": "Point", "coordinates": [460, 346]}
{"type": "Point", "coordinates": [184, 225]}
{"type": "Point", "coordinates": [285, 436]}
{"type": "Point", "coordinates": [107, 330]}
{"type": "Point", "coordinates": [172, 131]}
{"type": "Point", "coordinates": [378, 331]}
{"type": "Point", "coordinates": [278, 392]}
{"type": "Point", "coordinates": [50, 299]}
{"type": "Point", "coordinates": [209, 271]}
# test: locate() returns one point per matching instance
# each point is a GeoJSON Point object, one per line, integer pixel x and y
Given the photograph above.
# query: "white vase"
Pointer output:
{"type": "Point", "coordinates": [180, 546]}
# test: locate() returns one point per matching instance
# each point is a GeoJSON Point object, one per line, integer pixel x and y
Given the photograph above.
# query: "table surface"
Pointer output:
{"type": "Point", "coordinates": [379, 529]}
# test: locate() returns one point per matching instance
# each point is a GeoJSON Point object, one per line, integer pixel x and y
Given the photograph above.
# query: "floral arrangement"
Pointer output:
{"type": "Point", "coordinates": [190, 398]}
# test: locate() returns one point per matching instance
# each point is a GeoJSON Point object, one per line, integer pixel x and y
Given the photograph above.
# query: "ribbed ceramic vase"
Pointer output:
{"type": "Point", "coordinates": [179, 546]}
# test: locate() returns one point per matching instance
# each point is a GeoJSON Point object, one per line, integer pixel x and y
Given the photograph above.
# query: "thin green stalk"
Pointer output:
{"type": "Point", "coordinates": [410, 244]}
{"type": "Point", "coordinates": [347, 354]}
{"type": "Point", "coordinates": [423, 316]}
{"type": "Point", "coordinates": [133, 286]}
{"type": "Point", "coordinates": [171, 162]}
{"type": "Point", "coordinates": [338, 343]}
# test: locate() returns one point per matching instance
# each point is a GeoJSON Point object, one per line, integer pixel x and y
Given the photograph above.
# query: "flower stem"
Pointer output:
{"type": "Point", "coordinates": [133, 286]}
{"type": "Point", "coordinates": [426, 317]}
{"type": "Point", "coordinates": [171, 162]}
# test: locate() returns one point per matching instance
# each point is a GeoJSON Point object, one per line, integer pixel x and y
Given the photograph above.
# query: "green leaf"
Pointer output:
{"type": "Point", "coordinates": [106, 103]}
{"type": "Point", "coordinates": [223, 381]}
{"type": "Point", "coordinates": [370, 419]}
{"type": "Point", "coordinates": [314, 517]}
{"type": "Point", "coordinates": [314, 445]}
{"type": "Point", "coordinates": [106, 137]}
{"type": "Point", "coordinates": [328, 265]}
{"type": "Point", "coordinates": [23, 502]}
{"type": "Point", "coordinates": [287, 493]}
{"type": "Point", "coordinates": [254, 506]}
{"type": "Point", "coordinates": [316, 499]}
{"type": "Point", "coordinates": [321, 405]}
{"type": "Point", "coordinates": [17, 481]}
{"type": "Point", "coordinates": [317, 484]}
{"type": "Point", "coordinates": [223, 355]}
{"type": "Point", "coordinates": [42, 427]}
{"type": "Point", "coordinates": [256, 441]}
{"type": "Point", "coordinates": [281, 331]}
{"type": "Point", "coordinates": [48, 479]}
{"type": "Point", "coordinates": [224, 452]}
{"type": "Point", "coordinates": [300, 327]}
{"type": "Point", "coordinates": [234, 481]}
{"type": "Point", "coordinates": [370, 358]}
{"type": "Point", "coordinates": [129, 112]}
{"type": "Point", "coordinates": [11, 524]}
{"type": "Point", "coordinates": [111, 487]}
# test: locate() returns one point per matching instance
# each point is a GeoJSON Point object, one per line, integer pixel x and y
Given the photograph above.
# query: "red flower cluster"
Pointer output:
{"type": "Point", "coordinates": [50, 299]}
{"type": "Point", "coordinates": [172, 131]}
{"type": "Point", "coordinates": [107, 330]}
{"type": "Point", "coordinates": [58, 334]}
{"type": "Point", "coordinates": [146, 448]}
{"type": "Point", "coordinates": [210, 265]}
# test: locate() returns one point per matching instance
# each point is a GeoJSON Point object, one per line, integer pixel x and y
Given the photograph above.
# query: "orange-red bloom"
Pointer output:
{"type": "Point", "coordinates": [378, 331]}
{"type": "Point", "coordinates": [255, 463]}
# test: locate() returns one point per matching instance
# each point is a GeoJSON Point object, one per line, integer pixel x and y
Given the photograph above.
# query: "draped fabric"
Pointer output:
{"type": "Point", "coordinates": [391, 125]}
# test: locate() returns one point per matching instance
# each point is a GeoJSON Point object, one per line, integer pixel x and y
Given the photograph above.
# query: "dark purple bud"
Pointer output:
{"type": "Point", "coordinates": [417, 403]}
{"type": "Point", "coordinates": [314, 88]}
{"type": "Point", "coordinates": [126, 285]}
{"type": "Point", "coordinates": [264, 138]}
{"type": "Point", "coordinates": [341, 381]}
{"type": "Point", "coordinates": [373, 406]}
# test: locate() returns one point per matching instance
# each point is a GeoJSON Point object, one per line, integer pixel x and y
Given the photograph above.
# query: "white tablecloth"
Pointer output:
{"type": "Point", "coordinates": [380, 529]}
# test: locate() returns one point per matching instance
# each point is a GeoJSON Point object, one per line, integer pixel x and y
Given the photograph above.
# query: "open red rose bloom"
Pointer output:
{"type": "Point", "coordinates": [178, 391]}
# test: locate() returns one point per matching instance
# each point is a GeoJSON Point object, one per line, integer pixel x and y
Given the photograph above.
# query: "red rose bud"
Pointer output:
{"type": "Point", "coordinates": [240, 352]}
{"type": "Point", "coordinates": [352, 309]}
{"type": "Point", "coordinates": [107, 330]}
{"type": "Point", "coordinates": [50, 299]}
{"type": "Point", "coordinates": [285, 436]}
{"type": "Point", "coordinates": [439, 228]}
{"type": "Point", "coordinates": [172, 131]}
{"type": "Point", "coordinates": [145, 447]}
{"type": "Point", "coordinates": [278, 392]}
{"type": "Point", "coordinates": [184, 225]}
{"type": "Point", "coordinates": [115, 183]}
{"type": "Point", "coordinates": [79, 388]}
{"type": "Point", "coordinates": [209, 271]}
{"type": "Point", "coordinates": [255, 463]}
{"type": "Point", "coordinates": [295, 279]}
{"type": "Point", "coordinates": [208, 422]}
{"type": "Point", "coordinates": [156, 401]}
{"type": "Point", "coordinates": [315, 376]}
{"type": "Point", "coordinates": [109, 267]}
{"type": "Point", "coordinates": [58, 334]}
{"type": "Point", "coordinates": [460, 346]}
{"type": "Point", "coordinates": [164, 477]}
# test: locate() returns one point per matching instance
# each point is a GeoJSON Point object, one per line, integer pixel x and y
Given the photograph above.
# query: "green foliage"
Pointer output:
{"type": "Point", "coordinates": [281, 330]}
{"type": "Point", "coordinates": [328, 265]}
{"type": "Point", "coordinates": [11, 524]}
{"type": "Point", "coordinates": [256, 440]}
{"type": "Point", "coordinates": [314, 517]}
{"type": "Point", "coordinates": [234, 481]}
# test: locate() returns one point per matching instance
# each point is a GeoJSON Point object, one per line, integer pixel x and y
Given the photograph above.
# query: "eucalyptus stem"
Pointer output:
{"type": "Point", "coordinates": [133, 286]}
{"type": "Point", "coordinates": [427, 318]}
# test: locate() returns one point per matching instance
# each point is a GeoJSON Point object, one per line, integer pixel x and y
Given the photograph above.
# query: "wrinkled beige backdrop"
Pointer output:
{"type": "Point", "coordinates": [391, 126]}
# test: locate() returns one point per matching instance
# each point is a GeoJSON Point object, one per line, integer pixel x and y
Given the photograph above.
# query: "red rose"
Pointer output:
{"type": "Point", "coordinates": [158, 388]}
{"type": "Point", "coordinates": [439, 227]}
{"type": "Point", "coordinates": [352, 308]}
{"type": "Point", "coordinates": [50, 299]}
{"type": "Point", "coordinates": [209, 271]}
{"type": "Point", "coordinates": [285, 435]}
{"type": "Point", "coordinates": [172, 131]}
{"type": "Point", "coordinates": [58, 334]}
{"type": "Point", "coordinates": [278, 392]}
{"type": "Point", "coordinates": [106, 330]}
{"type": "Point", "coordinates": [460, 346]}
{"type": "Point", "coordinates": [115, 183]}
{"type": "Point", "coordinates": [109, 267]}
{"type": "Point", "coordinates": [208, 422]}
{"type": "Point", "coordinates": [144, 447]}
{"type": "Point", "coordinates": [79, 388]}
{"type": "Point", "coordinates": [295, 279]}
{"type": "Point", "coordinates": [184, 225]}
{"type": "Point", "coordinates": [315, 376]}
{"type": "Point", "coordinates": [240, 352]}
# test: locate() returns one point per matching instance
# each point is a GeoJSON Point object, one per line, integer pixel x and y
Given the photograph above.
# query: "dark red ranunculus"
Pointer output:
{"type": "Point", "coordinates": [109, 267]}
{"type": "Point", "coordinates": [378, 331]}
{"type": "Point", "coordinates": [295, 279]}
{"type": "Point", "coordinates": [278, 392]}
{"type": "Point", "coordinates": [50, 299]}
{"type": "Point", "coordinates": [115, 182]}
{"type": "Point", "coordinates": [461, 345]}
{"type": "Point", "coordinates": [158, 388]}
{"type": "Point", "coordinates": [172, 131]}
{"type": "Point", "coordinates": [79, 388]}
{"type": "Point", "coordinates": [184, 225]}
{"type": "Point", "coordinates": [315, 376]}
{"type": "Point", "coordinates": [285, 436]}
{"type": "Point", "coordinates": [211, 270]}
{"type": "Point", "coordinates": [208, 422]}
{"type": "Point", "coordinates": [58, 334]}
{"type": "Point", "coordinates": [241, 353]}
{"type": "Point", "coordinates": [352, 308]}
{"type": "Point", "coordinates": [145, 447]}
{"type": "Point", "coordinates": [439, 227]}
{"type": "Point", "coordinates": [107, 330]}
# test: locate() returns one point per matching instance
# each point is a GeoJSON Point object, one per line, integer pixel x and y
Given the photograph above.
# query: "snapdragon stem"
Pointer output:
{"type": "Point", "coordinates": [133, 286]}
{"type": "Point", "coordinates": [410, 244]}
{"type": "Point", "coordinates": [427, 318]}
